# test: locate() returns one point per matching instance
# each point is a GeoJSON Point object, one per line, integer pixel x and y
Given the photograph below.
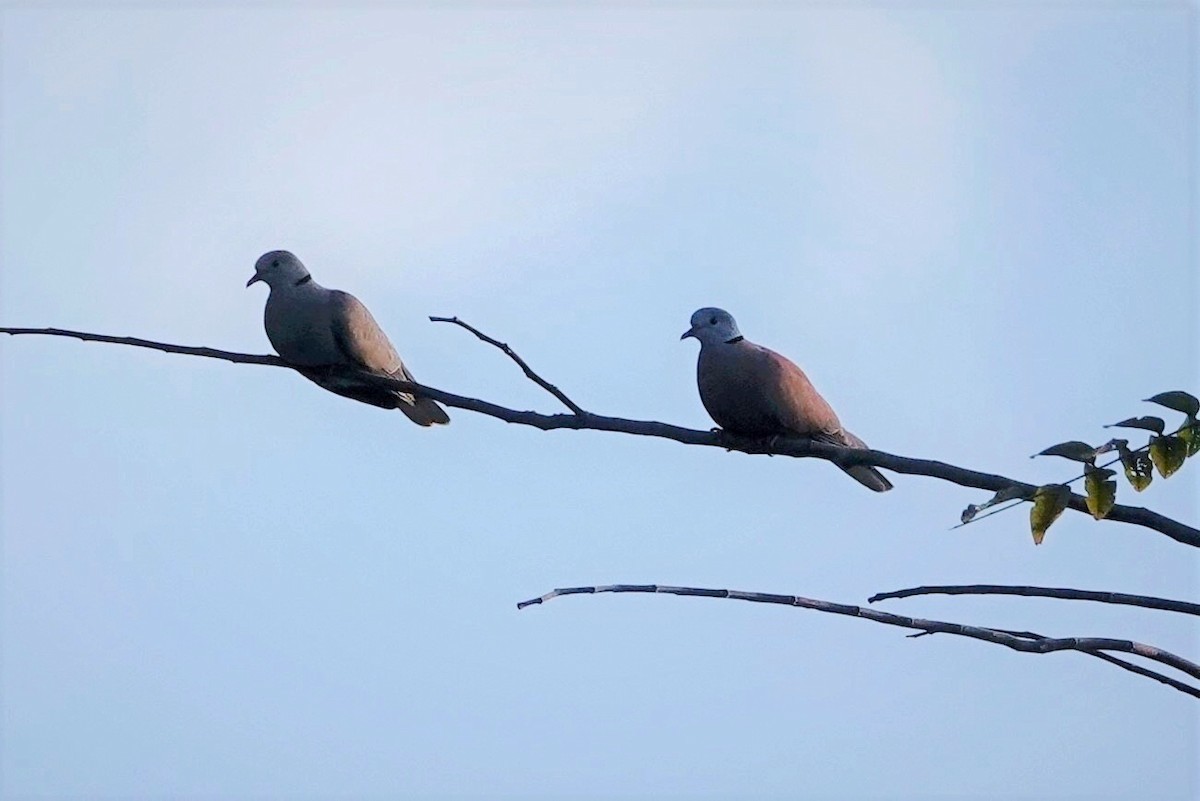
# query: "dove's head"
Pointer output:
{"type": "Point", "coordinates": [712, 326]}
{"type": "Point", "coordinates": [279, 268]}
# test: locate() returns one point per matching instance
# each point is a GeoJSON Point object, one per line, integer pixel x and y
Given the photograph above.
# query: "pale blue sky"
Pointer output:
{"type": "Point", "coordinates": [973, 228]}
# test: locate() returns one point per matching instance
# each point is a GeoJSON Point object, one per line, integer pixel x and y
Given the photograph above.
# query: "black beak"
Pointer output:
{"type": "Point", "coordinates": [254, 280]}
{"type": "Point", "coordinates": [691, 332]}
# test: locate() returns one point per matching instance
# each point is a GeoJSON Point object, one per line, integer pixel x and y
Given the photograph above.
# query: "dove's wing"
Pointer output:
{"type": "Point", "coordinates": [754, 391]}
{"type": "Point", "coordinates": [363, 343]}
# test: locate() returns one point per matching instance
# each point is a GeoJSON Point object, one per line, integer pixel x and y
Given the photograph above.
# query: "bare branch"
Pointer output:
{"type": "Point", "coordinates": [1026, 642]}
{"type": "Point", "coordinates": [1112, 660]}
{"type": "Point", "coordinates": [1145, 601]}
{"type": "Point", "coordinates": [510, 353]}
{"type": "Point", "coordinates": [1147, 672]}
{"type": "Point", "coordinates": [799, 447]}
{"type": "Point", "coordinates": [186, 350]}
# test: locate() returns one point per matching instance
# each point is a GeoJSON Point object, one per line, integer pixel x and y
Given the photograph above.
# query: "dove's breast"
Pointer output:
{"type": "Point", "coordinates": [298, 326]}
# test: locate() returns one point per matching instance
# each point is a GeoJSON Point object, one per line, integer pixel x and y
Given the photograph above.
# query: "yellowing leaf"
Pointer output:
{"type": "Point", "coordinates": [1155, 424]}
{"type": "Point", "coordinates": [1074, 450]}
{"type": "Point", "coordinates": [1048, 503]}
{"type": "Point", "coordinates": [1101, 490]}
{"type": "Point", "coordinates": [1168, 454]}
{"type": "Point", "coordinates": [1179, 401]}
{"type": "Point", "coordinates": [1190, 433]}
{"type": "Point", "coordinates": [1138, 468]}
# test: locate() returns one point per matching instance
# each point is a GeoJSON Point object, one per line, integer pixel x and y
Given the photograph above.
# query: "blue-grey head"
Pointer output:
{"type": "Point", "coordinates": [712, 326]}
{"type": "Point", "coordinates": [279, 268]}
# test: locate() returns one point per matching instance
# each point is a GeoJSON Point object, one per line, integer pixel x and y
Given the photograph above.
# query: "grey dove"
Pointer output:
{"type": "Point", "coordinates": [755, 392]}
{"type": "Point", "coordinates": [312, 326]}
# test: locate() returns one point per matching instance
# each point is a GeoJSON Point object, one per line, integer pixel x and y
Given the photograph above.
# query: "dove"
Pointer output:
{"type": "Point", "coordinates": [753, 391]}
{"type": "Point", "coordinates": [311, 326]}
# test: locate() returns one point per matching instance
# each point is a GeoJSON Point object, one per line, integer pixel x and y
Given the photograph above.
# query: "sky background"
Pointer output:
{"type": "Point", "coordinates": [975, 229]}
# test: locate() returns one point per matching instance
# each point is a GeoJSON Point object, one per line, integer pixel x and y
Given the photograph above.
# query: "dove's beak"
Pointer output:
{"type": "Point", "coordinates": [254, 279]}
{"type": "Point", "coordinates": [691, 332]}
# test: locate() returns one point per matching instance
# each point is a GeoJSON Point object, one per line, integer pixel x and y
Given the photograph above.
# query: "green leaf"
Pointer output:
{"type": "Point", "coordinates": [1154, 424]}
{"type": "Point", "coordinates": [1101, 490]}
{"type": "Point", "coordinates": [1048, 503]}
{"type": "Point", "coordinates": [1179, 401]}
{"type": "Point", "coordinates": [1190, 433]}
{"type": "Point", "coordinates": [1074, 450]}
{"type": "Point", "coordinates": [1138, 468]}
{"type": "Point", "coordinates": [1168, 454]}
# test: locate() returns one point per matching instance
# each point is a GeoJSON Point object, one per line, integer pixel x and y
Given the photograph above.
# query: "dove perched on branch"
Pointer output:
{"type": "Point", "coordinates": [753, 391]}
{"type": "Point", "coordinates": [311, 326]}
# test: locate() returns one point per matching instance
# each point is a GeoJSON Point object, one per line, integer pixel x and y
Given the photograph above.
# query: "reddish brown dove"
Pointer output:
{"type": "Point", "coordinates": [753, 391]}
{"type": "Point", "coordinates": [312, 326]}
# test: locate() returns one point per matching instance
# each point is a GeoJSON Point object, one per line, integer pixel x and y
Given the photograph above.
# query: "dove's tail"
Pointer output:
{"type": "Point", "coordinates": [425, 412]}
{"type": "Point", "coordinates": [864, 474]}
{"type": "Point", "coordinates": [869, 477]}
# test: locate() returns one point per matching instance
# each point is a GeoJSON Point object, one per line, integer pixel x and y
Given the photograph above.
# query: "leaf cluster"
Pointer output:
{"type": "Point", "coordinates": [1163, 452]}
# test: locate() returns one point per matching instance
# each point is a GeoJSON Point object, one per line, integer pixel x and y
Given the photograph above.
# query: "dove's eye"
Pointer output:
{"type": "Point", "coordinates": [712, 321]}
{"type": "Point", "coordinates": [275, 263]}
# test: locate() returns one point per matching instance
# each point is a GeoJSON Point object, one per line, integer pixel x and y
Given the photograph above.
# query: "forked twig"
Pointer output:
{"type": "Point", "coordinates": [510, 353]}
{"type": "Point", "coordinates": [1027, 642]}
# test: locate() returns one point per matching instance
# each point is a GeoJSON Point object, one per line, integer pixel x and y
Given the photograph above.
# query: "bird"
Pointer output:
{"type": "Point", "coordinates": [753, 391]}
{"type": "Point", "coordinates": [311, 326]}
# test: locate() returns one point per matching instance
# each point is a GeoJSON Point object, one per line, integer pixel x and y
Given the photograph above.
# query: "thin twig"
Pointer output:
{"type": "Point", "coordinates": [510, 353]}
{"type": "Point", "coordinates": [993, 510]}
{"type": "Point", "coordinates": [1112, 660]}
{"type": "Point", "coordinates": [1026, 642]}
{"type": "Point", "coordinates": [186, 350]}
{"type": "Point", "coordinates": [798, 447]}
{"type": "Point", "coordinates": [1145, 601]}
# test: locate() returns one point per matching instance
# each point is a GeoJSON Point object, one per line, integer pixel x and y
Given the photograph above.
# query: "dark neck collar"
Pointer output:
{"type": "Point", "coordinates": [735, 340]}
{"type": "Point", "coordinates": [303, 281]}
